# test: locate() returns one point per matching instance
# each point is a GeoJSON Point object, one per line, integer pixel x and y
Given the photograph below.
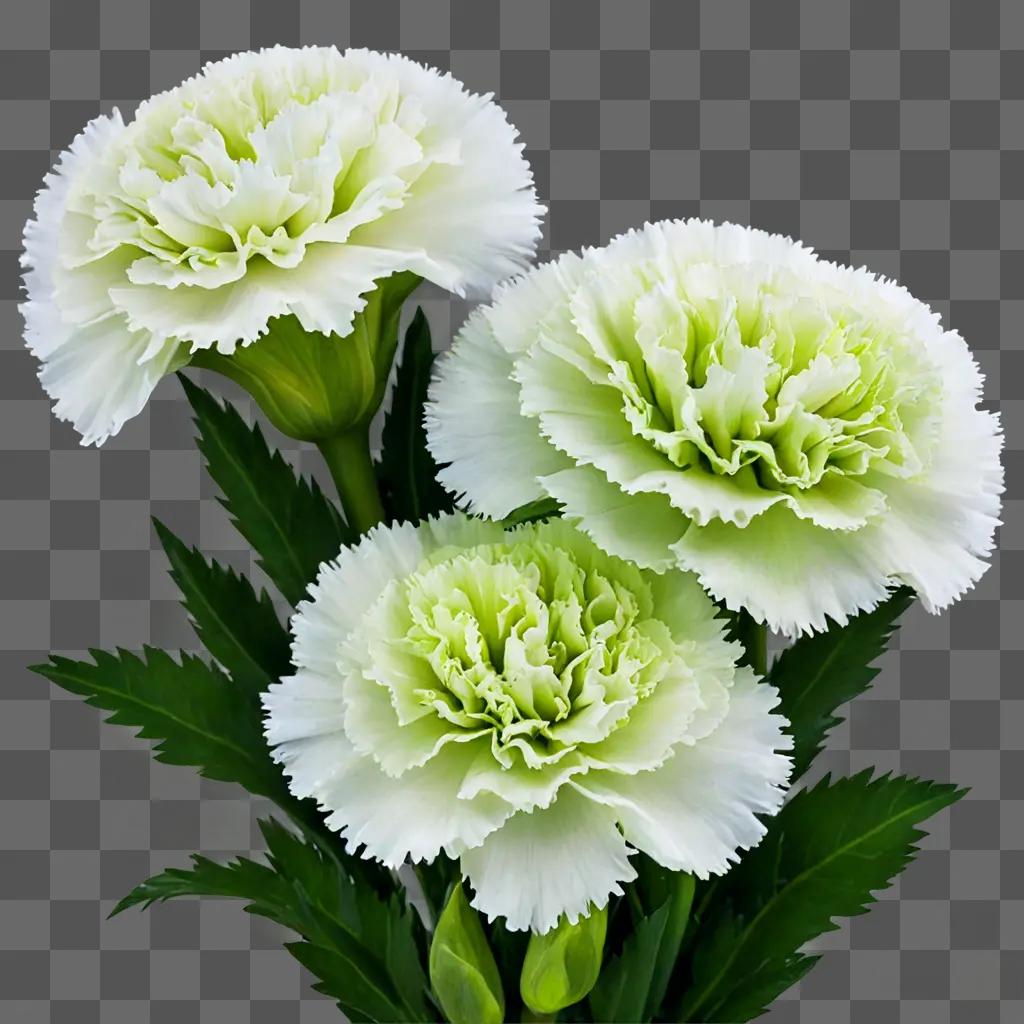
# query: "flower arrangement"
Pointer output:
{"type": "Point", "coordinates": [526, 682]}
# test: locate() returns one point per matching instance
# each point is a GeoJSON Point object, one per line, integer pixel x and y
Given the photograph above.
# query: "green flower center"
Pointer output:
{"type": "Point", "coordinates": [523, 641]}
{"type": "Point", "coordinates": [769, 381]}
{"type": "Point", "coordinates": [254, 160]}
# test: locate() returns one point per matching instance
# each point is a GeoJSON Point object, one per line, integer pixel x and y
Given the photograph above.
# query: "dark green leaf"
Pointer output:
{"type": "Point", "coordinates": [820, 671]}
{"type": "Point", "coordinates": [673, 889]}
{"type": "Point", "coordinates": [622, 990]}
{"type": "Point", "coordinates": [509, 950]}
{"type": "Point", "coordinates": [407, 471]}
{"type": "Point", "coordinates": [825, 854]}
{"type": "Point", "coordinates": [197, 715]}
{"type": "Point", "coordinates": [288, 521]}
{"type": "Point", "coordinates": [365, 952]}
{"type": "Point", "coordinates": [532, 511]}
{"type": "Point", "coordinates": [240, 629]}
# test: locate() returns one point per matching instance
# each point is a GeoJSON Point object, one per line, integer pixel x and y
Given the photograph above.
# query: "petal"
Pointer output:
{"type": "Point", "coordinates": [325, 291]}
{"type": "Point", "coordinates": [470, 222]}
{"type": "Point", "coordinates": [640, 527]}
{"type": "Point", "coordinates": [701, 807]}
{"type": "Point", "coordinates": [346, 588]}
{"type": "Point", "coordinates": [786, 571]}
{"type": "Point", "coordinates": [654, 726]}
{"type": "Point", "coordinates": [475, 430]}
{"type": "Point", "coordinates": [414, 817]}
{"type": "Point", "coordinates": [939, 530]}
{"type": "Point", "coordinates": [102, 374]}
{"type": "Point", "coordinates": [525, 787]}
{"type": "Point", "coordinates": [541, 865]}
{"type": "Point", "coordinates": [99, 372]}
{"type": "Point", "coordinates": [521, 305]}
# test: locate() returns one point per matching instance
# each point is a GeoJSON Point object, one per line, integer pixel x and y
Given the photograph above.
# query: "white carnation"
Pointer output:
{"type": "Point", "coordinates": [800, 435]}
{"type": "Point", "coordinates": [287, 181]}
{"type": "Point", "coordinates": [530, 705]}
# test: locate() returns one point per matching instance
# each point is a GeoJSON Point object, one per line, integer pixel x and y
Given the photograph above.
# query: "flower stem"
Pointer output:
{"type": "Point", "coordinates": [537, 1018]}
{"type": "Point", "coordinates": [754, 637]}
{"type": "Point", "coordinates": [348, 458]}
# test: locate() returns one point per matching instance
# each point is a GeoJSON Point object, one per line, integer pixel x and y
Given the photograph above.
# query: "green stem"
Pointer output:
{"type": "Point", "coordinates": [348, 458]}
{"type": "Point", "coordinates": [537, 1018]}
{"type": "Point", "coordinates": [754, 637]}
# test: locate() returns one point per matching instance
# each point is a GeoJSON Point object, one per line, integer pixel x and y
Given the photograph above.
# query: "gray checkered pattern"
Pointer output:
{"type": "Point", "coordinates": [882, 132]}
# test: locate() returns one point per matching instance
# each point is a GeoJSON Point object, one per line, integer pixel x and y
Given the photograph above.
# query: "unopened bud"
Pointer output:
{"type": "Point", "coordinates": [463, 973]}
{"type": "Point", "coordinates": [562, 965]}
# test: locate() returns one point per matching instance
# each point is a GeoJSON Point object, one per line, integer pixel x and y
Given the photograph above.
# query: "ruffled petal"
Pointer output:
{"type": "Point", "coordinates": [540, 866]}
{"type": "Point", "coordinates": [641, 528]}
{"type": "Point", "coordinates": [700, 808]}
{"type": "Point", "coordinates": [786, 571]}
{"type": "Point", "coordinates": [474, 219]}
{"type": "Point", "coordinates": [99, 372]}
{"type": "Point", "coordinates": [325, 292]}
{"type": "Point", "coordinates": [346, 588]}
{"type": "Point", "coordinates": [412, 817]}
{"type": "Point", "coordinates": [485, 448]}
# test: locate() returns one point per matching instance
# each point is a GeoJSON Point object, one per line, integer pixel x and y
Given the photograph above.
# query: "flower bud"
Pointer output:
{"type": "Point", "coordinates": [463, 973]}
{"type": "Point", "coordinates": [315, 386]}
{"type": "Point", "coordinates": [562, 965]}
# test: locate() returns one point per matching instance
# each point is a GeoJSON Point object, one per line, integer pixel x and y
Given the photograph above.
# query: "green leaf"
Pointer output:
{"type": "Point", "coordinates": [407, 470]}
{"type": "Point", "coordinates": [288, 521]}
{"type": "Point", "coordinates": [196, 713]}
{"type": "Point", "coordinates": [240, 629]}
{"type": "Point", "coordinates": [820, 671]}
{"type": "Point", "coordinates": [622, 990]}
{"type": "Point", "coordinates": [824, 855]}
{"type": "Point", "coordinates": [365, 952]}
{"type": "Point", "coordinates": [532, 511]}
{"type": "Point", "coordinates": [675, 890]}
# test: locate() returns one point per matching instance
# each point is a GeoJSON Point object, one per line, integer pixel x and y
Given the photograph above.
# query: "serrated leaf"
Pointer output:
{"type": "Point", "coordinates": [820, 671]}
{"type": "Point", "coordinates": [364, 951]}
{"type": "Point", "coordinates": [825, 854]}
{"type": "Point", "coordinates": [197, 715]}
{"type": "Point", "coordinates": [237, 626]}
{"type": "Point", "coordinates": [407, 471]}
{"type": "Point", "coordinates": [622, 990]}
{"type": "Point", "coordinates": [289, 522]}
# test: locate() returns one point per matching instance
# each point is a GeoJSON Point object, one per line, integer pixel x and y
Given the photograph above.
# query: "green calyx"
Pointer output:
{"type": "Point", "coordinates": [463, 972]}
{"type": "Point", "coordinates": [562, 965]}
{"type": "Point", "coordinates": [314, 387]}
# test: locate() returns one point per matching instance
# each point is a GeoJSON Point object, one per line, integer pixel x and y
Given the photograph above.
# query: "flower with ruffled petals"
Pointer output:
{"type": "Point", "coordinates": [530, 705]}
{"type": "Point", "coordinates": [283, 183]}
{"type": "Point", "coordinates": [800, 435]}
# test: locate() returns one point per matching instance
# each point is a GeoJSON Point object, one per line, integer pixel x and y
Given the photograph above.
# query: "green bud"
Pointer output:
{"type": "Point", "coordinates": [463, 973]}
{"type": "Point", "coordinates": [314, 386]}
{"type": "Point", "coordinates": [562, 965]}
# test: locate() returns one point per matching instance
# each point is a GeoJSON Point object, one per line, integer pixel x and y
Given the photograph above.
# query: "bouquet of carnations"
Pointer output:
{"type": "Point", "coordinates": [531, 757]}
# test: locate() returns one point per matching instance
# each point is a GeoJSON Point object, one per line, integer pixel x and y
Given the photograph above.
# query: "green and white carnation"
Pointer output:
{"type": "Point", "coordinates": [801, 435]}
{"type": "Point", "coordinates": [288, 182]}
{"type": "Point", "coordinates": [530, 705]}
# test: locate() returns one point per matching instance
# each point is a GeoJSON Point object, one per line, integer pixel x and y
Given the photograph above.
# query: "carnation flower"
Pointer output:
{"type": "Point", "coordinates": [287, 182]}
{"type": "Point", "coordinates": [800, 435]}
{"type": "Point", "coordinates": [528, 704]}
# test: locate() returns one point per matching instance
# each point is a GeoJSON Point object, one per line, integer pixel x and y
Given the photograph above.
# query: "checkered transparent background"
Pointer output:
{"type": "Point", "coordinates": [885, 133]}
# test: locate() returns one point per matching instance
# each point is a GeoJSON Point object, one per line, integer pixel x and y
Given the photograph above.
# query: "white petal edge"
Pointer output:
{"type": "Point", "coordinates": [700, 808]}
{"type": "Point", "coordinates": [547, 863]}
{"type": "Point", "coordinates": [413, 817]}
{"type": "Point", "coordinates": [101, 373]}
{"type": "Point", "coordinates": [475, 431]}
